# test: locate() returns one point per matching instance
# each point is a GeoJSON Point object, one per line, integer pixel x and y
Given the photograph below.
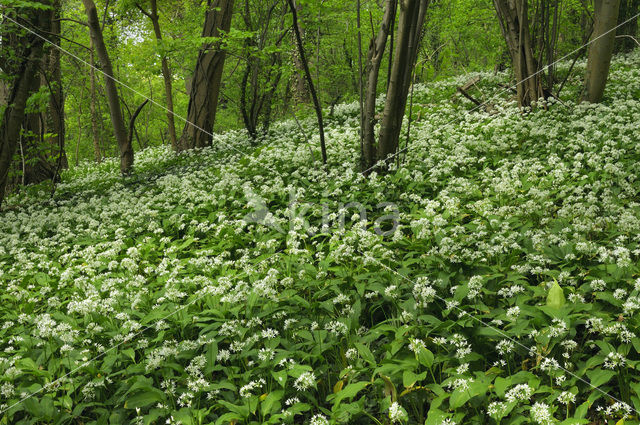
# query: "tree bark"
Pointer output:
{"type": "Point", "coordinates": [412, 15]}
{"type": "Point", "coordinates": [307, 74]}
{"type": "Point", "coordinates": [207, 77]}
{"type": "Point", "coordinates": [627, 34]}
{"type": "Point", "coordinates": [374, 60]}
{"type": "Point", "coordinates": [28, 48]}
{"type": "Point", "coordinates": [513, 16]}
{"type": "Point", "coordinates": [55, 113]}
{"type": "Point", "coordinates": [300, 89]}
{"type": "Point", "coordinates": [119, 129]}
{"type": "Point", "coordinates": [94, 116]}
{"type": "Point", "coordinates": [166, 72]}
{"type": "Point", "coordinates": [601, 50]}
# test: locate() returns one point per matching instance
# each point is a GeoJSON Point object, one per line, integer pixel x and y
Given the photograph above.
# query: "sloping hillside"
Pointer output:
{"type": "Point", "coordinates": [495, 279]}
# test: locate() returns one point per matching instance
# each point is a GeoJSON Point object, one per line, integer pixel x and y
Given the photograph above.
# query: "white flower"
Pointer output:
{"type": "Point", "coordinates": [505, 346]}
{"type": "Point", "coordinates": [614, 360]}
{"type": "Point", "coordinates": [540, 414]}
{"type": "Point", "coordinates": [319, 420]}
{"type": "Point", "coordinates": [513, 313]}
{"type": "Point", "coordinates": [521, 392]}
{"type": "Point", "coordinates": [496, 409]}
{"type": "Point", "coordinates": [566, 397]}
{"type": "Point", "coordinates": [305, 380]}
{"type": "Point", "coordinates": [397, 413]}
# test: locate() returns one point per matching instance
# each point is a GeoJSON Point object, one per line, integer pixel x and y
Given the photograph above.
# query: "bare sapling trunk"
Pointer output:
{"type": "Point", "coordinates": [307, 74]}
{"type": "Point", "coordinates": [300, 90]}
{"type": "Point", "coordinates": [119, 129]}
{"type": "Point", "coordinates": [601, 49]}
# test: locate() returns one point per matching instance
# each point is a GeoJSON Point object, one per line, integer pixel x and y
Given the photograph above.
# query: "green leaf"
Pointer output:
{"type": "Point", "coordinates": [425, 357]}
{"type": "Point", "coordinates": [129, 352]}
{"type": "Point", "coordinates": [143, 399]}
{"type": "Point", "coordinates": [409, 378]}
{"type": "Point", "coordinates": [348, 392]}
{"type": "Point", "coordinates": [366, 354]}
{"type": "Point", "coordinates": [555, 297]}
{"type": "Point", "coordinates": [271, 402]}
{"type": "Point", "coordinates": [600, 377]}
{"type": "Point", "coordinates": [212, 356]}
{"type": "Point", "coordinates": [280, 377]}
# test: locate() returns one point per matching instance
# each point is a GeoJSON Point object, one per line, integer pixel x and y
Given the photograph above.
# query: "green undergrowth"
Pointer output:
{"type": "Point", "coordinates": [221, 287]}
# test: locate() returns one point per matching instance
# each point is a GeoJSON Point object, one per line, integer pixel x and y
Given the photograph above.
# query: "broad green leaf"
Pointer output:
{"type": "Point", "coordinates": [556, 298]}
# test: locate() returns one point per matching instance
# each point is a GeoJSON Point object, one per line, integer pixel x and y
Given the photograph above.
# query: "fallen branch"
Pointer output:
{"type": "Point", "coordinates": [463, 92]}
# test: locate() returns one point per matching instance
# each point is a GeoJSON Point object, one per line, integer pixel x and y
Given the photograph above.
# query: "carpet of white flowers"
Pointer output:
{"type": "Point", "coordinates": [507, 294]}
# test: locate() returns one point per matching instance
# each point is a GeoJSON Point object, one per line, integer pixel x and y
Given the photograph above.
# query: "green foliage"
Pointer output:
{"type": "Point", "coordinates": [152, 298]}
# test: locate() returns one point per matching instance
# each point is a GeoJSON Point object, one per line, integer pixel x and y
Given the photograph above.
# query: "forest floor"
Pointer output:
{"type": "Point", "coordinates": [238, 285]}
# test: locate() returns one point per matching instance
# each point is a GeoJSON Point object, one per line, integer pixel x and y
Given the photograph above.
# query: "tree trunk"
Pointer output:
{"type": "Point", "coordinates": [207, 77]}
{"type": "Point", "coordinates": [627, 34]}
{"type": "Point", "coordinates": [601, 50]}
{"type": "Point", "coordinates": [119, 130]}
{"type": "Point", "coordinates": [28, 50]}
{"type": "Point", "coordinates": [55, 113]}
{"type": "Point", "coordinates": [166, 74]}
{"type": "Point", "coordinates": [94, 116]}
{"type": "Point", "coordinates": [374, 60]}
{"type": "Point", "coordinates": [310, 84]}
{"type": "Point", "coordinates": [513, 16]}
{"type": "Point", "coordinates": [412, 15]}
{"type": "Point", "coordinates": [300, 89]}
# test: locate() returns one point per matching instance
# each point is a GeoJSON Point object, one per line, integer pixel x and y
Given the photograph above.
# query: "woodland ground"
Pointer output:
{"type": "Point", "coordinates": [158, 297]}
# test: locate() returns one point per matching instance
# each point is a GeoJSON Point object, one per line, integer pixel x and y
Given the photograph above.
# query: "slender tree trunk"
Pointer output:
{"type": "Point", "coordinates": [119, 129]}
{"type": "Point", "coordinates": [374, 60]}
{"type": "Point", "coordinates": [513, 16]}
{"type": "Point", "coordinates": [627, 34]}
{"type": "Point", "coordinates": [94, 117]}
{"type": "Point", "coordinates": [207, 77]}
{"type": "Point", "coordinates": [55, 113]}
{"type": "Point", "coordinates": [360, 80]}
{"type": "Point", "coordinates": [77, 159]}
{"type": "Point", "coordinates": [412, 15]}
{"type": "Point", "coordinates": [307, 74]}
{"type": "Point", "coordinates": [166, 73]}
{"type": "Point", "coordinates": [29, 51]}
{"type": "Point", "coordinates": [300, 89]}
{"type": "Point", "coordinates": [601, 50]}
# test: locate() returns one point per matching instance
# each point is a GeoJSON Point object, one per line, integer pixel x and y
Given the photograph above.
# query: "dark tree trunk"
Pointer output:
{"type": "Point", "coordinates": [55, 114]}
{"type": "Point", "coordinates": [119, 129]}
{"type": "Point", "coordinates": [307, 74]}
{"type": "Point", "coordinates": [26, 51]}
{"type": "Point", "coordinates": [601, 50]}
{"type": "Point", "coordinates": [412, 15]}
{"type": "Point", "coordinates": [207, 77]}
{"type": "Point", "coordinates": [261, 77]}
{"type": "Point", "coordinates": [300, 90]}
{"type": "Point", "coordinates": [627, 34]}
{"type": "Point", "coordinates": [374, 60]}
{"type": "Point", "coordinates": [513, 16]}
